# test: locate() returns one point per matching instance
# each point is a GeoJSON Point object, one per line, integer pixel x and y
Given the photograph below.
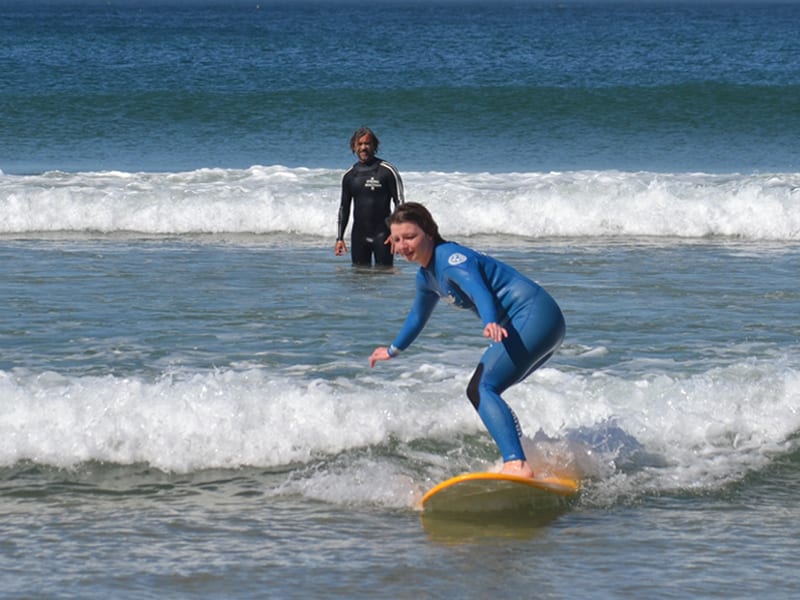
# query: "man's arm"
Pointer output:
{"type": "Point", "coordinates": [395, 183]}
{"type": "Point", "coordinates": [344, 216]}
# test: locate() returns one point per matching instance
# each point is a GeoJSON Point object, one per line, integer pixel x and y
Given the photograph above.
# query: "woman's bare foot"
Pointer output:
{"type": "Point", "coordinates": [520, 468]}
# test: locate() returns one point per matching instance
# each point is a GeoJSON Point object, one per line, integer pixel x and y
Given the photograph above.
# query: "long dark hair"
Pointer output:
{"type": "Point", "coordinates": [361, 132]}
{"type": "Point", "coordinates": [414, 212]}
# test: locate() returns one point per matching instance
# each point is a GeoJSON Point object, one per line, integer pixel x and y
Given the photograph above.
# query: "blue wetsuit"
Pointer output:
{"type": "Point", "coordinates": [497, 294]}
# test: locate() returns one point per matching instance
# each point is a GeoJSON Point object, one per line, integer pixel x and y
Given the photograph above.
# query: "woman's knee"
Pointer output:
{"type": "Point", "coordinates": [473, 391]}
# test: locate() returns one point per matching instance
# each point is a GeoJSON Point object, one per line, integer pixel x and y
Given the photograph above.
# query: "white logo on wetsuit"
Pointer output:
{"type": "Point", "coordinates": [372, 183]}
{"type": "Point", "coordinates": [456, 258]}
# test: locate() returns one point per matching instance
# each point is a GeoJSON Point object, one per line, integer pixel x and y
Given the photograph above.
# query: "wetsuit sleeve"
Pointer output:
{"type": "Point", "coordinates": [424, 303]}
{"type": "Point", "coordinates": [396, 185]}
{"type": "Point", "coordinates": [469, 279]}
{"type": "Point", "coordinates": [344, 208]}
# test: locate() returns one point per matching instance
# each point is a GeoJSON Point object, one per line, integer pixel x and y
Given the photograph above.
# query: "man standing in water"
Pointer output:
{"type": "Point", "coordinates": [371, 185]}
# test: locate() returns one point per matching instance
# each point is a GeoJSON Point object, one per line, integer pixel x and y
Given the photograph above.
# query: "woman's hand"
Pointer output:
{"type": "Point", "coordinates": [495, 332]}
{"type": "Point", "coordinates": [381, 353]}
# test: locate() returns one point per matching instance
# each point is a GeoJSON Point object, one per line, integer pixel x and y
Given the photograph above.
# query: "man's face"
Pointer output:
{"type": "Point", "coordinates": [364, 148]}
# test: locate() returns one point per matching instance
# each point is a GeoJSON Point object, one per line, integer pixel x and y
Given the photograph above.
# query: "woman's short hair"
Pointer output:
{"type": "Point", "coordinates": [414, 212]}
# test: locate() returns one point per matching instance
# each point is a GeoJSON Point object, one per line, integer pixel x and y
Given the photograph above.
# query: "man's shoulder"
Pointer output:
{"type": "Point", "coordinates": [387, 165]}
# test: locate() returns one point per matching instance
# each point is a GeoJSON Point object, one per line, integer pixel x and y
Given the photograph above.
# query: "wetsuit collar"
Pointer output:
{"type": "Point", "coordinates": [432, 262]}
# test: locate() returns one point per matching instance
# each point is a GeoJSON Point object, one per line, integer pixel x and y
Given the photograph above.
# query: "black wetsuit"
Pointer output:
{"type": "Point", "coordinates": [372, 186]}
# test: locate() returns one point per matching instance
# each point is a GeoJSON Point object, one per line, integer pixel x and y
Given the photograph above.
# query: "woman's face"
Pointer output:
{"type": "Point", "coordinates": [411, 242]}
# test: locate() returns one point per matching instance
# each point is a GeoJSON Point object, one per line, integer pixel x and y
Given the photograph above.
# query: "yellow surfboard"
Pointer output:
{"type": "Point", "coordinates": [497, 492]}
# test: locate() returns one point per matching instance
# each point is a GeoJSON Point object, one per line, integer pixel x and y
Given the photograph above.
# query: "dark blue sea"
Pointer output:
{"type": "Point", "coordinates": [186, 407]}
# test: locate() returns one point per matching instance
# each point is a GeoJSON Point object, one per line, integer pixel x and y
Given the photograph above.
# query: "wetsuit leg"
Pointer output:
{"type": "Point", "coordinates": [383, 251]}
{"type": "Point", "coordinates": [360, 249]}
{"type": "Point", "coordinates": [534, 333]}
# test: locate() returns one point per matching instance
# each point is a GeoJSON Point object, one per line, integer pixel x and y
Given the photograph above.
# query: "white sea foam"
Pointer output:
{"type": "Point", "coordinates": [305, 201]}
{"type": "Point", "coordinates": [647, 433]}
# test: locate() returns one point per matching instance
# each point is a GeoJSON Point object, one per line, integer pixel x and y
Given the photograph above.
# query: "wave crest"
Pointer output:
{"type": "Point", "coordinates": [304, 201]}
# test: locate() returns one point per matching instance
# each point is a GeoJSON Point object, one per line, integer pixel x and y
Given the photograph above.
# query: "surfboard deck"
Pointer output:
{"type": "Point", "coordinates": [485, 492]}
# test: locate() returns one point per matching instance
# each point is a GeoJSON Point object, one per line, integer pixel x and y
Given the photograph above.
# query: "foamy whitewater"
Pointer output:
{"type": "Point", "coordinates": [201, 377]}
{"type": "Point", "coordinates": [300, 201]}
{"type": "Point", "coordinates": [636, 436]}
